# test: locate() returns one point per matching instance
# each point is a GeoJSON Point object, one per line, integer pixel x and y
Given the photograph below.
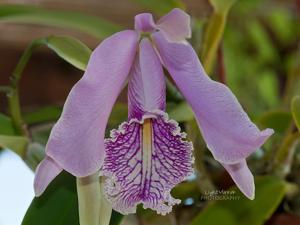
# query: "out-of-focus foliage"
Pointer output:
{"type": "Point", "coordinates": [161, 7]}
{"type": "Point", "coordinates": [95, 26]}
{"type": "Point", "coordinates": [6, 127]}
{"type": "Point", "coordinates": [222, 6]}
{"type": "Point", "coordinates": [279, 120]}
{"type": "Point", "coordinates": [258, 51]}
{"type": "Point", "coordinates": [261, 54]}
{"type": "Point", "coordinates": [43, 115]}
{"type": "Point", "coordinates": [181, 113]}
{"type": "Point", "coordinates": [16, 143]}
{"type": "Point", "coordinates": [296, 111]}
{"type": "Point", "coordinates": [58, 205]}
{"type": "Point", "coordinates": [269, 193]}
{"type": "Point", "coordinates": [70, 49]}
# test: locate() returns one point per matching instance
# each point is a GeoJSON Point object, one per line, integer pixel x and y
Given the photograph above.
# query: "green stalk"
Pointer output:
{"type": "Point", "coordinates": [214, 32]}
{"type": "Point", "coordinates": [105, 207]}
{"type": "Point", "coordinates": [213, 36]}
{"type": "Point", "coordinates": [89, 199]}
{"type": "Point", "coordinates": [13, 94]}
{"type": "Point", "coordinates": [285, 154]}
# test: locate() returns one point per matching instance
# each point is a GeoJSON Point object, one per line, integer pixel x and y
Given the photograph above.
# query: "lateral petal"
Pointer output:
{"type": "Point", "coordinates": [77, 140]}
{"type": "Point", "coordinates": [242, 177]}
{"type": "Point", "coordinates": [146, 86]}
{"type": "Point", "coordinates": [229, 133]}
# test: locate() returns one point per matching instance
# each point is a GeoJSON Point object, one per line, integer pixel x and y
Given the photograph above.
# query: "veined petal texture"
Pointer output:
{"type": "Point", "coordinates": [145, 160]}
{"type": "Point", "coordinates": [229, 133]}
{"type": "Point", "coordinates": [147, 85]}
{"type": "Point", "coordinates": [76, 142]}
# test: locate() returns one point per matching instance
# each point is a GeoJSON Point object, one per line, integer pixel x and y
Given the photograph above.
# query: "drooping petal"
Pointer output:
{"type": "Point", "coordinates": [229, 133]}
{"type": "Point", "coordinates": [142, 169]}
{"type": "Point", "coordinates": [175, 26]}
{"type": "Point", "coordinates": [77, 140]}
{"type": "Point", "coordinates": [146, 86]}
{"type": "Point", "coordinates": [243, 177]}
{"type": "Point", "coordinates": [47, 170]}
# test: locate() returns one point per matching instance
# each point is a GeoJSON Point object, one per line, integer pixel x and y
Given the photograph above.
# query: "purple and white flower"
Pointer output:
{"type": "Point", "coordinates": [147, 155]}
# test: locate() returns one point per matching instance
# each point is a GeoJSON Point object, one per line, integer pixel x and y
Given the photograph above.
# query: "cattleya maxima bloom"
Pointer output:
{"type": "Point", "coordinates": [147, 155]}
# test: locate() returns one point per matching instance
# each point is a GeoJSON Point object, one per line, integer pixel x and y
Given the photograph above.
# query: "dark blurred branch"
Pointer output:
{"type": "Point", "coordinates": [298, 5]}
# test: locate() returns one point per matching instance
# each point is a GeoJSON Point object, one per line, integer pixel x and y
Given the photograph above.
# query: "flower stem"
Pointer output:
{"type": "Point", "coordinates": [13, 94]}
{"type": "Point", "coordinates": [94, 209]}
{"type": "Point", "coordinates": [89, 199]}
{"type": "Point", "coordinates": [105, 206]}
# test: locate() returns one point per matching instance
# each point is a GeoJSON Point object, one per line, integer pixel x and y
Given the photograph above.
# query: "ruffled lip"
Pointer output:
{"type": "Point", "coordinates": [139, 174]}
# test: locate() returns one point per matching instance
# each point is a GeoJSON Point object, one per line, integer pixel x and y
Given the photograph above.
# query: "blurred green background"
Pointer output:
{"type": "Point", "coordinates": [251, 45]}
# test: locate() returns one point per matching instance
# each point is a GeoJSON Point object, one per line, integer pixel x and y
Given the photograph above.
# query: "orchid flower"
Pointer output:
{"type": "Point", "coordinates": [147, 155]}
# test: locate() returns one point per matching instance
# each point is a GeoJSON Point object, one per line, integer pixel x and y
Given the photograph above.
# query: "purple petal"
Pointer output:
{"type": "Point", "coordinates": [44, 174]}
{"type": "Point", "coordinates": [77, 140]}
{"type": "Point", "coordinates": [144, 22]}
{"type": "Point", "coordinates": [145, 160]}
{"type": "Point", "coordinates": [226, 128]}
{"type": "Point", "coordinates": [243, 177]}
{"type": "Point", "coordinates": [146, 87]}
{"type": "Point", "coordinates": [175, 26]}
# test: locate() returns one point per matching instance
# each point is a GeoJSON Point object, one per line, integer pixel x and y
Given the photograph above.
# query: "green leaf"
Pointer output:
{"type": "Point", "coordinates": [161, 6]}
{"type": "Point", "coordinates": [17, 144]}
{"type": "Point", "coordinates": [6, 127]}
{"type": "Point", "coordinates": [92, 25]}
{"type": "Point", "coordinates": [57, 206]}
{"type": "Point", "coordinates": [118, 115]}
{"type": "Point", "coordinates": [279, 120]}
{"type": "Point", "coordinates": [296, 111]}
{"type": "Point", "coordinates": [269, 193]}
{"type": "Point", "coordinates": [116, 218]}
{"type": "Point", "coordinates": [45, 114]}
{"type": "Point", "coordinates": [181, 112]}
{"type": "Point", "coordinates": [70, 49]}
{"type": "Point", "coordinates": [222, 6]}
